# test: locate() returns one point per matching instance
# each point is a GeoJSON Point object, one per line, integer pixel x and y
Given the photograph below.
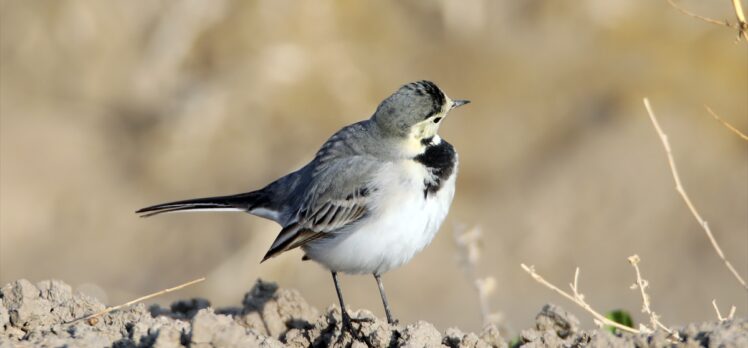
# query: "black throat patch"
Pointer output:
{"type": "Point", "coordinates": [440, 160]}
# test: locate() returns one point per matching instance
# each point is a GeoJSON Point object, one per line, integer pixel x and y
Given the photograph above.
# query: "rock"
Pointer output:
{"type": "Point", "coordinates": [492, 337]}
{"type": "Point", "coordinates": [217, 330]}
{"type": "Point", "coordinates": [555, 318]}
{"type": "Point", "coordinates": [25, 306]}
{"type": "Point", "coordinates": [4, 318]}
{"type": "Point", "coordinates": [167, 337]}
{"type": "Point", "coordinates": [271, 311]}
{"type": "Point", "coordinates": [421, 334]}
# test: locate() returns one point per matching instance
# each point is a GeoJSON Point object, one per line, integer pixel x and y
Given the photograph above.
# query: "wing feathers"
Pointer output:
{"type": "Point", "coordinates": [289, 238]}
{"type": "Point", "coordinates": [326, 218]}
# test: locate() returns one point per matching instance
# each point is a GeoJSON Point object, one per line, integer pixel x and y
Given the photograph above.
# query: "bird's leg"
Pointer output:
{"type": "Point", "coordinates": [390, 319]}
{"type": "Point", "coordinates": [346, 318]}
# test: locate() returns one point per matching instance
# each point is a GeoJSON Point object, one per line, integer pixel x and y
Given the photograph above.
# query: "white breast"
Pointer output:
{"type": "Point", "coordinates": [401, 224]}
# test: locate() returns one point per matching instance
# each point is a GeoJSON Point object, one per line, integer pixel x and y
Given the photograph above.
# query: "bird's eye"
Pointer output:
{"type": "Point", "coordinates": [436, 120]}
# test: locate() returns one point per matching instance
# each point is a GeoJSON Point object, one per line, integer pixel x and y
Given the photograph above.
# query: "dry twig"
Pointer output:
{"type": "Point", "coordinates": [740, 15]}
{"type": "Point", "coordinates": [719, 314]}
{"type": "Point", "coordinates": [642, 285]}
{"type": "Point", "coordinates": [684, 195]}
{"type": "Point", "coordinates": [741, 24]}
{"type": "Point", "coordinates": [469, 252]}
{"type": "Point", "coordinates": [577, 298]}
{"type": "Point", "coordinates": [139, 299]}
{"type": "Point", "coordinates": [729, 126]}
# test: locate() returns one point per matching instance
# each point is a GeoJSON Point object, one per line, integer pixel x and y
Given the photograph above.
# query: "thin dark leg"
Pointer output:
{"type": "Point", "coordinates": [387, 311]}
{"type": "Point", "coordinates": [346, 318]}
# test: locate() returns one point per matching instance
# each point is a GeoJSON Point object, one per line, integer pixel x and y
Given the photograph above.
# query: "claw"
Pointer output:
{"type": "Point", "coordinates": [362, 320]}
{"type": "Point", "coordinates": [347, 322]}
{"type": "Point", "coordinates": [354, 333]}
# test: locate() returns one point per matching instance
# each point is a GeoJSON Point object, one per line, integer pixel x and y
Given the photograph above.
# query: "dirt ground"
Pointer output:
{"type": "Point", "coordinates": [45, 315]}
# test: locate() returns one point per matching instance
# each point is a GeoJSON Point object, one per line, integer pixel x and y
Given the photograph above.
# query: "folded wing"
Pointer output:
{"type": "Point", "coordinates": [331, 205]}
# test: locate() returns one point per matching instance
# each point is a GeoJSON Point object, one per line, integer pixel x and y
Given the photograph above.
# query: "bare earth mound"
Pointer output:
{"type": "Point", "coordinates": [44, 315]}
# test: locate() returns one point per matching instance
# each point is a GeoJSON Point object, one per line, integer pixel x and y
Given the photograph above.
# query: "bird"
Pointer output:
{"type": "Point", "coordinates": [375, 194]}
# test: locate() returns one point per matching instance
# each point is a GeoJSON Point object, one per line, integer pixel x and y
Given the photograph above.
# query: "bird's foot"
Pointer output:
{"type": "Point", "coordinates": [362, 320]}
{"type": "Point", "coordinates": [348, 322]}
{"type": "Point", "coordinates": [348, 328]}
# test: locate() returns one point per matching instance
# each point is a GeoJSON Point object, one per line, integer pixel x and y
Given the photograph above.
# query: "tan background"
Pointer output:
{"type": "Point", "coordinates": [108, 106]}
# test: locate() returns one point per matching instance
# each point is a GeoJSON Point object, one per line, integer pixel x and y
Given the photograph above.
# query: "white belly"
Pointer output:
{"type": "Point", "coordinates": [394, 231]}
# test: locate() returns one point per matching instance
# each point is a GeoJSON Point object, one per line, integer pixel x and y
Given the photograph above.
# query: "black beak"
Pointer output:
{"type": "Point", "coordinates": [460, 102]}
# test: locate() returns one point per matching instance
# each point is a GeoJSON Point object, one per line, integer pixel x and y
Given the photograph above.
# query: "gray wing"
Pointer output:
{"type": "Point", "coordinates": [338, 194]}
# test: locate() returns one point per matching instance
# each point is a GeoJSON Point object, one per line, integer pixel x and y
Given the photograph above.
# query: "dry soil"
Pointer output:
{"type": "Point", "coordinates": [44, 315]}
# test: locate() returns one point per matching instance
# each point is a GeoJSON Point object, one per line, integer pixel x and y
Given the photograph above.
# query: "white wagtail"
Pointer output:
{"type": "Point", "coordinates": [373, 196]}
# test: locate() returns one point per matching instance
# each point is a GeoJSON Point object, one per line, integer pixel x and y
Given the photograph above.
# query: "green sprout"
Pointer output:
{"type": "Point", "coordinates": [619, 316]}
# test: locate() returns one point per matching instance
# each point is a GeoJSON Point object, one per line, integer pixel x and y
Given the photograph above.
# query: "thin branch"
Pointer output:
{"type": "Point", "coordinates": [469, 252]}
{"type": "Point", "coordinates": [694, 15]}
{"type": "Point", "coordinates": [642, 285]}
{"type": "Point", "coordinates": [728, 125]}
{"type": "Point", "coordinates": [684, 195]}
{"type": "Point", "coordinates": [719, 314]}
{"type": "Point", "coordinates": [139, 299]}
{"type": "Point", "coordinates": [577, 298]}
{"type": "Point", "coordinates": [741, 25]}
{"type": "Point", "coordinates": [716, 309]}
{"type": "Point", "coordinates": [732, 313]}
{"type": "Point", "coordinates": [740, 15]}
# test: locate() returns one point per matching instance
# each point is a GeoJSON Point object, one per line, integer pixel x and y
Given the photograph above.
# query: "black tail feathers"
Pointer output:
{"type": "Point", "coordinates": [241, 202]}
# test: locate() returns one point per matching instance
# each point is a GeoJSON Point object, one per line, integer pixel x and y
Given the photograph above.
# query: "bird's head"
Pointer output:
{"type": "Point", "coordinates": [415, 111]}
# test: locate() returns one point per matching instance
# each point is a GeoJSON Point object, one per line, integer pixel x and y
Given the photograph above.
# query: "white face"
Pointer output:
{"type": "Point", "coordinates": [428, 127]}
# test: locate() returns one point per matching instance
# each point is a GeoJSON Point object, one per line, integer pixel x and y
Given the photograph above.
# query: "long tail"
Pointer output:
{"type": "Point", "coordinates": [246, 202]}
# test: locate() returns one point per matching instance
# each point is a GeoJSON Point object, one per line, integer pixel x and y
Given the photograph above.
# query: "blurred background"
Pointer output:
{"type": "Point", "coordinates": [109, 106]}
